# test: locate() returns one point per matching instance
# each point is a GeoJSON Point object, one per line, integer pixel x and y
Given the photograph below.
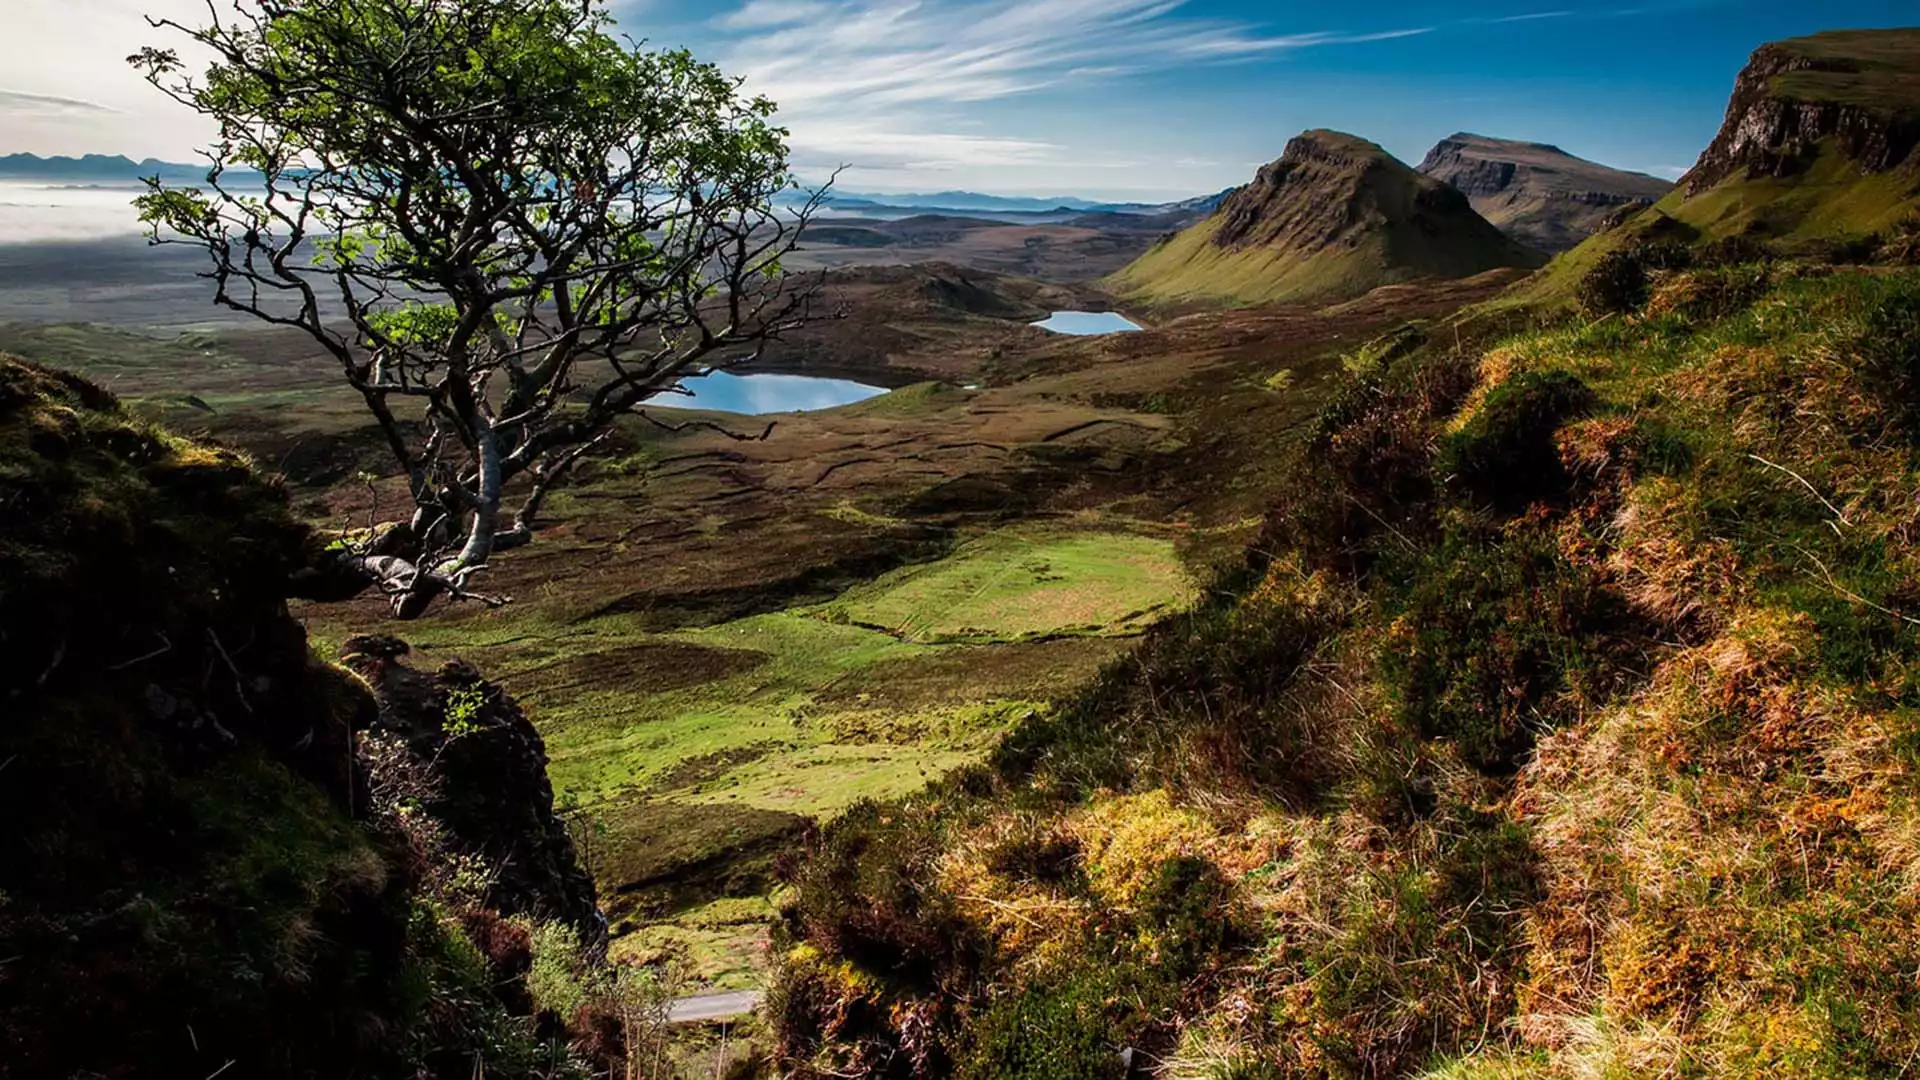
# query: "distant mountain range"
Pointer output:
{"type": "Point", "coordinates": [96, 169]}
{"type": "Point", "coordinates": [970, 202]}
{"type": "Point", "coordinates": [120, 169]}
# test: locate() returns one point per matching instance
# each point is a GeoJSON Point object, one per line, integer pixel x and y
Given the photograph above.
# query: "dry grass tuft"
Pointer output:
{"type": "Point", "coordinates": [1667, 571]}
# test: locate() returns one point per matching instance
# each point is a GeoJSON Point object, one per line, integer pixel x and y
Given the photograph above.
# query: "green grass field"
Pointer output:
{"type": "Point", "coordinates": [1013, 586]}
{"type": "Point", "coordinates": [702, 747]}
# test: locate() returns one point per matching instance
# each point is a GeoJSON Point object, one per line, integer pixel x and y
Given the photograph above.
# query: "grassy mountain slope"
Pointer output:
{"type": "Point", "coordinates": [1563, 722]}
{"type": "Point", "coordinates": [1334, 218]}
{"type": "Point", "coordinates": [1540, 195]}
{"type": "Point", "coordinates": [1821, 147]}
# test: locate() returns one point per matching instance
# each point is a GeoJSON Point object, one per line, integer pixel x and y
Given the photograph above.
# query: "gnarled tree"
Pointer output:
{"type": "Point", "coordinates": [507, 226]}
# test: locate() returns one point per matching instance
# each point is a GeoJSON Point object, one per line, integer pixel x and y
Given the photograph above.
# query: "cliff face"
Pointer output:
{"type": "Point", "coordinates": [1335, 217]}
{"type": "Point", "coordinates": [1860, 89]}
{"type": "Point", "coordinates": [1540, 195]}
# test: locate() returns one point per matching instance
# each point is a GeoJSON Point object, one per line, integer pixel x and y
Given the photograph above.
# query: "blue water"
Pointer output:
{"type": "Point", "coordinates": [1089, 322]}
{"type": "Point", "coordinates": [756, 394]}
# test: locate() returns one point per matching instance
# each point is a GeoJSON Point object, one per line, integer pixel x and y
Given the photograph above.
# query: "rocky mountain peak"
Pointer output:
{"type": "Point", "coordinates": [1536, 192]}
{"type": "Point", "coordinates": [1858, 88]}
{"type": "Point", "coordinates": [1333, 218]}
{"type": "Point", "coordinates": [1323, 186]}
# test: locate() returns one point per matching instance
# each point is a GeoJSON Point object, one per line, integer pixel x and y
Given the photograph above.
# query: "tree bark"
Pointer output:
{"type": "Point", "coordinates": [486, 515]}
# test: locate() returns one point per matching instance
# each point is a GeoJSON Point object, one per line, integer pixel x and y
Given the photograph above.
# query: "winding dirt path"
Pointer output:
{"type": "Point", "coordinates": [705, 1007]}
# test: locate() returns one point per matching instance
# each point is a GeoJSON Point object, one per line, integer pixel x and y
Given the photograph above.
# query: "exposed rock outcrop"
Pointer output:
{"type": "Point", "coordinates": [1858, 88]}
{"type": "Point", "coordinates": [176, 772]}
{"type": "Point", "coordinates": [1540, 195]}
{"type": "Point", "coordinates": [1328, 186]}
{"type": "Point", "coordinates": [489, 791]}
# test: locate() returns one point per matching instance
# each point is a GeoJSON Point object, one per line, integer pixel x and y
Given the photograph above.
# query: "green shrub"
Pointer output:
{"type": "Point", "coordinates": [1617, 285]}
{"type": "Point", "coordinates": [557, 979]}
{"type": "Point", "coordinates": [1491, 636]}
{"type": "Point", "coordinates": [1733, 251]}
{"type": "Point", "coordinates": [1038, 854]}
{"type": "Point", "coordinates": [1665, 255]}
{"type": "Point", "coordinates": [1055, 1032]}
{"type": "Point", "coordinates": [457, 1018]}
{"type": "Point", "coordinates": [1620, 281]}
{"type": "Point", "coordinates": [1890, 358]}
{"type": "Point", "coordinates": [1188, 908]}
{"type": "Point", "coordinates": [863, 890]}
{"type": "Point", "coordinates": [1714, 293]}
{"type": "Point", "coordinates": [1505, 455]}
{"type": "Point", "coordinates": [1366, 475]}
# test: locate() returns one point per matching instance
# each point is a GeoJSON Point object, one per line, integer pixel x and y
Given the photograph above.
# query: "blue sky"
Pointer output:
{"type": "Point", "coordinates": [1153, 98]}
{"type": "Point", "coordinates": [1109, 98]}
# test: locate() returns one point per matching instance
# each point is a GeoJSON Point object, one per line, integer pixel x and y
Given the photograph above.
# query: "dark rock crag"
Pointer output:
{"type": "Point", "coordinates": [194, 879]}
{"type": "Point", "coordinates": [1324, 187]}
{"type": "Point", "coordinates": [491, 795]}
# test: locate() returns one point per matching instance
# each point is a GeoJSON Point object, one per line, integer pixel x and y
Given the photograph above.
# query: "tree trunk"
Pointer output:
{"type": "Point", "coordinates": [486, 516]}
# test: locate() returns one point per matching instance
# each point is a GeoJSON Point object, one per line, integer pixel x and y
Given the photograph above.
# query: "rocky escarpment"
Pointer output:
{"type": "Point", "coordinates": [1858, 89]}
{"type": "Point", "coordinates": [482, 775]}
{"type": "Point", "coordinates": [1335, 217]}
{"type": "Point", "coordinates": [1538, 194]}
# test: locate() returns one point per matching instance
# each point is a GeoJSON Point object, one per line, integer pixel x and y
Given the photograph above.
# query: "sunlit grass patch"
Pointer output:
{"type": "Point", "coordinates": [1015, 585]}
{"type": "Point", "coordinates": [825, 778]}
{"type": "Point", "coordinates": [701, 747]}
{"type": "Point", "coordinates": [1612, 776]}
{"type": "Point", "coordinates": [721, 945]}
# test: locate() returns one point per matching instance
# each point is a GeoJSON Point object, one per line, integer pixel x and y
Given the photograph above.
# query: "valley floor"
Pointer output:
{"type": "Point", "coordinates": [725, 642]}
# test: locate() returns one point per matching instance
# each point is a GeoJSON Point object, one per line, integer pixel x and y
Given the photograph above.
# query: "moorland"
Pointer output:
{"type": "Point", "coordinates": [1407, 654]}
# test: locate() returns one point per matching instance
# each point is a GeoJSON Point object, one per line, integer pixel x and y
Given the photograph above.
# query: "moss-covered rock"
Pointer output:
{"type": "Point", "coordinates": [191, 878]}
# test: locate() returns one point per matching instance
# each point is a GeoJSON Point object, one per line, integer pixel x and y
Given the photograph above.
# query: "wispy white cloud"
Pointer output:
{"type": "Point", "coordinates": [892, 52]}
{"type": "Point", "coordinates": [1532, 17]}
{"type": "Point", "coordinates": [876, 144]}
{"type": "Point", "coordinates": [884, 83]}
{"type": "Point", "coordinates": [19, 101]}
{"type": "Point", "coordinates": [1249, 45]}
{"type": "Point", "coordinates": [767, 14]}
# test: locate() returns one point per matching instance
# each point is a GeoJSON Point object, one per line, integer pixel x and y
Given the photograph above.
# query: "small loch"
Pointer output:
{"type": "Point", "coordinates": [755, 395]}
{"type": "Point", "coordinates": [1089, 322]}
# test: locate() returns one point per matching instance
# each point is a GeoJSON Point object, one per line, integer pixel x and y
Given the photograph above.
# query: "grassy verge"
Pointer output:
{"type": "Point", "coordinates": [1020, 585]}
